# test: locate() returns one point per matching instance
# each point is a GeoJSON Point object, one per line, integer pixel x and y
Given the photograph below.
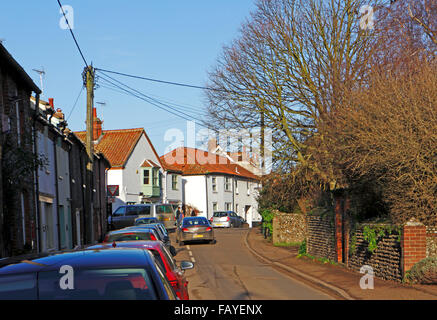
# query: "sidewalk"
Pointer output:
{"type": "Point", "coordinates": [336, 279]}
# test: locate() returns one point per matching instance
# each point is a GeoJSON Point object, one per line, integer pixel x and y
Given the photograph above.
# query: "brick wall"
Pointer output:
{"type": "Point", "coordinates": [413, 244]}
{"type": "Point", "coordinates": [321, 241]}
{"type": "Point", "coordinates": [385, 259]}
{"type": "Point", "coordinates": [289, 228]}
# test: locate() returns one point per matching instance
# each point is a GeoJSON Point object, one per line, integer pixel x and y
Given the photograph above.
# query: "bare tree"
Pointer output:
{"type": "Point", "coordinates": [290, 67]}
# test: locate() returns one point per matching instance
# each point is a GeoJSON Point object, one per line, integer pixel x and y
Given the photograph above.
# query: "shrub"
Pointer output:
{"type": "Point", "coordinates": [424, 272]}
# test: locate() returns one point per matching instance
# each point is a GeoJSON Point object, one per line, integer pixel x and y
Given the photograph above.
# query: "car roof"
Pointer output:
{"type": "Point", "coordinates": [140, 244]}
{"type": "Point", "coordinates": [107, 258]}
{"type": "Point", "coordinates": [191, 218]}
{"type": "Point", "coordinates": [137, 229]}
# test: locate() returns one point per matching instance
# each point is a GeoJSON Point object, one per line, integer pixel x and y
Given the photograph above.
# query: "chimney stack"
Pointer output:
{"type": "Point", "coordinates": [97, 126]}
{"type": "Point", "coordinates": [51, 103]}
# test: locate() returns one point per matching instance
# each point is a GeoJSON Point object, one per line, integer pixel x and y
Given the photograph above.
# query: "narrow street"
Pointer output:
{"type": "Point", "coordinates": [228, 271]}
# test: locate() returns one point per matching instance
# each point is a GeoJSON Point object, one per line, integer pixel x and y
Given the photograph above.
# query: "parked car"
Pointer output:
{"type": "Point", "coordinates": [148, 220]}
{"type": "Point", "coordinates": [161, 233]}
{"type": "Point", "coordinates": [174, 274]}
{"type": "Point", "coordinates": [226, 219]}
{"type": "Point", "coordinates": [131, 235]}
{"type": "Point", "coordinates": [116, 273]}
{"type": "Point", "coordinates": [125, 216]}
{"type": "Point", "coordinates": [194, 229]}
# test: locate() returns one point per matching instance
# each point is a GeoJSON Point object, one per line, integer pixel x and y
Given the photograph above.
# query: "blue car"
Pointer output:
{"type": "Point", "coordinates": [104, 274]}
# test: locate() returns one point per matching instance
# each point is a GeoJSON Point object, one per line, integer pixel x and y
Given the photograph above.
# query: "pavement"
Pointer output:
{"type": "Point", "coordinates": [336, 280]}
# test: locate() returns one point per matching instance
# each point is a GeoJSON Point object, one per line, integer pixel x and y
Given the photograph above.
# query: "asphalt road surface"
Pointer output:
{"type": "Point", "coordinates": [227, 270]}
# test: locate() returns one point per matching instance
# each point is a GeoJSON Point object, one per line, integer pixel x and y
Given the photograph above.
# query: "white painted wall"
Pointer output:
{"type": "Point", "coordinates": [195, 193]}
{"type": "Point", "coordinates": [129, 178]}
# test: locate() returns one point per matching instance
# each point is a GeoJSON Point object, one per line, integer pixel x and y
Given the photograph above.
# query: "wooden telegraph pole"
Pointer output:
{"type": "Point", "coordinates": [89, 221]}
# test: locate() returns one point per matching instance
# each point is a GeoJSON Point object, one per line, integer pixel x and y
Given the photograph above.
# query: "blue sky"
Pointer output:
{"type": "Point", "coordinates": [170, 40]}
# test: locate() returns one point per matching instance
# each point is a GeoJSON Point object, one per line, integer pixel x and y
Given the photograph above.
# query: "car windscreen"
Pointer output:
{"type": "Point", "coordinates": [164, 209]}
{"type": "Point", "coordinates": [129, 236]}
{"type": "Point", "coordinates": [195, 222]}
{"type": "Point", "coordinates": [146, 221]}
{"type": "Point", "coordinates": [137, 210]}
{"type": "Point", "coordinates": [97, 284]}
{"type": "Point", "coordinates": [220, 214]}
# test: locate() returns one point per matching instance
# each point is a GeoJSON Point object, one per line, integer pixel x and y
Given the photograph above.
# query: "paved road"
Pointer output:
{"type": "Point", "coordinates": [228, 271]}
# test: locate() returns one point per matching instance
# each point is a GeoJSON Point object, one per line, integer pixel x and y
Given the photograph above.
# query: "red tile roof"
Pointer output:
{"type": "Point", "coordinates": [149, 164]}
{"type": "Point", "coordinates": [191, 161]}
{"type": "Point", "coordinates": [117, 145]}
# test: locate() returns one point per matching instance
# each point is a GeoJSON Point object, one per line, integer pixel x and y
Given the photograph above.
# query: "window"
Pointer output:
{"type": "Point", "coordinates": [214, 184]}
{"type": "Point", "coordinates": [227, 184]}
{"type": "Point", "coordinates": [155, 177]}
{"type": "Point", "coordinates": [214, 206]}
{"type": "Point", "coordinates": [146, 177]}
{"type": "Point", "coordinates": [174, 181]}
{"type": "Point", "coordinates": [120, 211]}
{"type": "Point", "coordinates": [236, 186]}
{"type": "Point", "coordinates": [228, 206]}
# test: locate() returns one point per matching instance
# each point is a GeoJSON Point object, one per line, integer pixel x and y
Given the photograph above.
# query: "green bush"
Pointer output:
{"type": "Point", "coordinates": [423, 272]}
{"type": "Point", "coordinates": [303, 247]}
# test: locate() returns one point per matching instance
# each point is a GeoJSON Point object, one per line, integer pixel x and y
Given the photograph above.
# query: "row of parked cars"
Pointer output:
{"type": "Point", "coordinates": [135, 260]}
{"type": "Point", "coordinates": [133, 263]}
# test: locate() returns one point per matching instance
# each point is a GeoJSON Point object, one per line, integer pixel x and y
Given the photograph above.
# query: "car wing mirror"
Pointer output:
{"type": "Point", "coordinates": [187, 265]}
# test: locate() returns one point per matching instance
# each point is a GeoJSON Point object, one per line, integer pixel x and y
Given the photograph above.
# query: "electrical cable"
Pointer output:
{"type": "Point", "coordinates": [72, 34]}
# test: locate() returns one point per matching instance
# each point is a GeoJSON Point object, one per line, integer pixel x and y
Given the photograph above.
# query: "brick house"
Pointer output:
{"type": "Point", "coordinates": [17, 181]}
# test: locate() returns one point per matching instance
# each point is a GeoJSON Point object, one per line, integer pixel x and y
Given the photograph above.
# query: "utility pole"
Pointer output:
{"type": "Point", "coordinates": [89, 83]}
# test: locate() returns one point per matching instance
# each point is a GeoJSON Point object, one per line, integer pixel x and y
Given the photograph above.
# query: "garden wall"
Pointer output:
{"type": "Point", "coordinates": [431, 242]}
{"type": "Point", "coordinates": [289, 228]}
{"type": "Point", "coordinates": [385, 259]}
{"type": "Point", "coordinates": [321, 242]}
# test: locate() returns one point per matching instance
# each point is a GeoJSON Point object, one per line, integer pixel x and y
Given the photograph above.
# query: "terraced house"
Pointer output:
{"type": "Point", "coordinates": [136, 171]}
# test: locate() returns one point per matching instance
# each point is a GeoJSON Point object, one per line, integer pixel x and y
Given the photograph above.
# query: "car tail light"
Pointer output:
{"type": "Point", "coordinates": [152, 237]}
{"type": "Point", "coordinates": [227, 218]}
{"type": "Point", "coordinates": [184, 229]}
{"type": "Point", "coordinates": [106, 238]}
{"type": "Point", "coordinates": [208, 229]}
{"type": "Point", "coordinates": [174, 284]}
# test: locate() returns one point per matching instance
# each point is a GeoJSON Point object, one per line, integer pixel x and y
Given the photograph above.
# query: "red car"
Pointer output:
{"type": "Point", "coordinates": [174, 273]}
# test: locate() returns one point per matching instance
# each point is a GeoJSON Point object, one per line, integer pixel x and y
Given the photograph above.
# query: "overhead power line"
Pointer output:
{"type": "Point", "coordinates": [170, 82]}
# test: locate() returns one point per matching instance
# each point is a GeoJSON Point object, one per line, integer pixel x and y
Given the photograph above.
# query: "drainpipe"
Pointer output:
{"type": "Point", "coordinates": [35, 148]}
{"type": "Point", "coordinates": [206, 189]}
{"type": "Point", "coordinates": [57, 192]}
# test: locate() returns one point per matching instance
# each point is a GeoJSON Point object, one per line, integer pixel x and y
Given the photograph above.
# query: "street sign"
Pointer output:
{"type": "Point", "coordinates": [113, 190]}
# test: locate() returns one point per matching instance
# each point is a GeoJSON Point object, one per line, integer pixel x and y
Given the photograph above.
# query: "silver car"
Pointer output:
{"type": "Point", "coordinates": [194, 229]}
{"type": "Point", "coordinates": [226, 219]}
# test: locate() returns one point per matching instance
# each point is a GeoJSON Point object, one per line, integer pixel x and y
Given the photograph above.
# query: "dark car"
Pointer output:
{"type": "Point", "coordinates": [174, 274]}
{"type": "Point", "coordinates": [161, 233]}
{"type": "Point", "coordinates": [125, 216]}
{"type": "Point", "coordinates": [108, 274]}
{"type": "Point", "coordinates": [194, 229]}
{"type": "Point", "coordinates": [131, 235]}
{"type": "Point", "coordinates": [148, 220]}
